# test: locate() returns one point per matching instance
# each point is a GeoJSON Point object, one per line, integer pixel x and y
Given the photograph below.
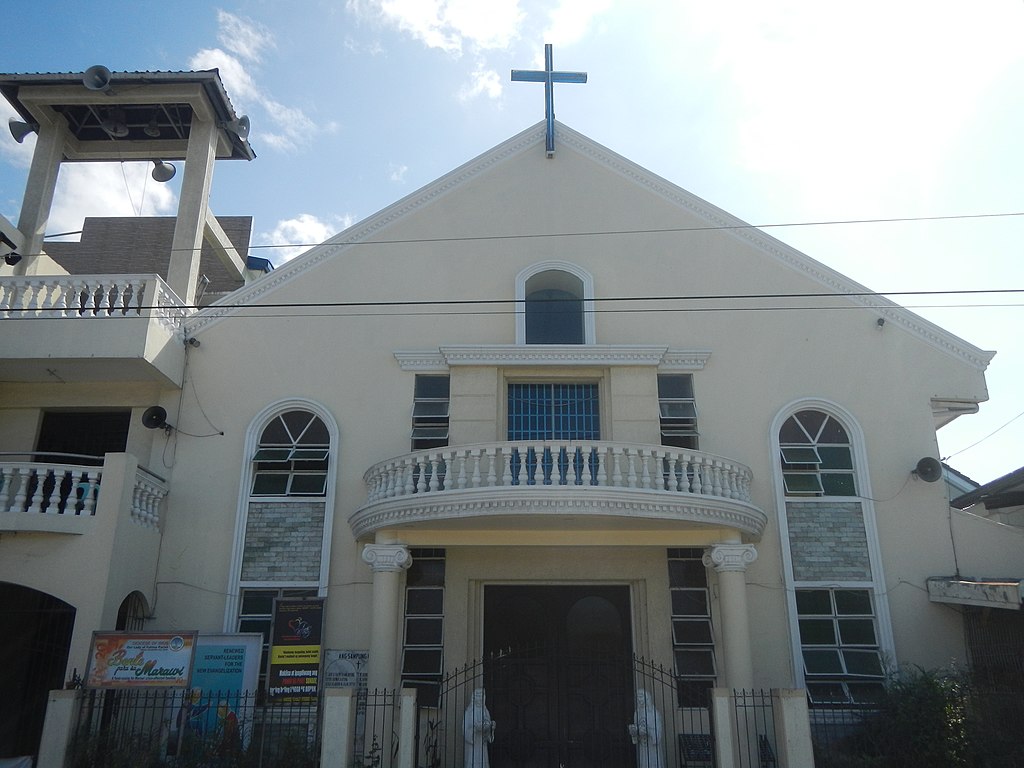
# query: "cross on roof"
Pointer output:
{"type": "Point", "coordinates": [549, 77]}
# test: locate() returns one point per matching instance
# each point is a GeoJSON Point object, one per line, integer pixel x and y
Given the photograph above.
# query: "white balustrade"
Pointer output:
{"type": "Point", "coordinates": [70, 490]}
{"type": "Point", "coordinates": [555, 465]}
{"type": "Point", "coordinates": [91, 296]}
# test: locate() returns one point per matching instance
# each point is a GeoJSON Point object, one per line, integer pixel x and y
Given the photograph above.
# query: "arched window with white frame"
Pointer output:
{"type": "Point", "coordinates": [283, 526]}
{"type": "Point", "coordinates": [839, 617]}
{"type": "Point", "coordinates": [554, 302]}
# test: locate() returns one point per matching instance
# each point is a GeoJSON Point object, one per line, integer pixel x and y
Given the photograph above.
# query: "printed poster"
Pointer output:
{"type": "Point", "coordinates": [295, 650]}
{"type": "Point", "coordinates": [140, 660]}
{"type": "Point", "coordinates": [220, 703]}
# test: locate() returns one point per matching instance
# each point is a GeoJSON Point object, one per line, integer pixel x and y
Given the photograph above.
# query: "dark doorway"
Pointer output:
{"type": "Point", "coordinates": [560, 687]}
{"type": "Point", "coordinates": [35, 636]}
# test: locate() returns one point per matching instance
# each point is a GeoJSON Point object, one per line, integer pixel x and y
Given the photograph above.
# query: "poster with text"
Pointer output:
{"type": "Point", "coordinates": [140, 660]}
{"type": "Point", "coordinates": [295, 650]}
{"type": "Point", "coordinates": [220, 703]}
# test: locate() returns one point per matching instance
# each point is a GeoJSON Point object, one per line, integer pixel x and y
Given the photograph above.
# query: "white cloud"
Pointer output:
{"type": "Point", "coordinates": [397, 172]}
{"type": "Point", "coordinates": [107, 189]}
{"type": "Point", "coordinates": [277, 125]}
{"type": "Point", "coordinates": [304, 230]}
{"type": "Point", "coordinates": [448, 25]}
{"type": "Point", "coordinates": [570, 20]}
{"type": "Point", "coordinates": [243, 37]}
{"type": "Point", "coordinates": [482, 81]}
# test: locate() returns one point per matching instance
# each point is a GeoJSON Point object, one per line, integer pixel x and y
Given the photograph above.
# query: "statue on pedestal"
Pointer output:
{"type": "Point", "coordinates": [477, 731]}
{"type": "Point", "coordinates": [646, 731]}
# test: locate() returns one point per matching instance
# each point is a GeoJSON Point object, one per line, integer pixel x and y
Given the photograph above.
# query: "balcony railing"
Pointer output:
{"type": "Point", "coordinates": [68, 489]}
{"type": "Point", "coordinates": [603, 465]}
{"type": "Point", "coordinates": [91, 296]}
{"type": "Point", "coordinates": [609, 479]}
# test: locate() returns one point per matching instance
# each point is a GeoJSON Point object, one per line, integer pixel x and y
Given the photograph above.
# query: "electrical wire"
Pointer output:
{"type": "Point", "coordinates": [659, 230]}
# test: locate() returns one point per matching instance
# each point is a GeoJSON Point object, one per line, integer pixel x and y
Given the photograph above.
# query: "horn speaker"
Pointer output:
{"type": "Point", "coordinates": [155, 417]}
{"type": "Point", "coordinates": [96, 78]}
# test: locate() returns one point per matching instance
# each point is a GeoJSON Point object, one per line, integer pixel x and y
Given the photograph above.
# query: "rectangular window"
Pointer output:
{"type": "Point", "coordinates": [431, 399]}
{"type": "Point", "coordinates": [256, 614]}
{"type": "Point", "coordinates": [423, 649]}
{"type": "Point", "coordinates": [693, 641]}
{"type": "Point", "coordinates": [678, 410]}
{"type": "Point", "coordinates": [566, 411]}
{"type": "Point", "coordinates": [839, 644]}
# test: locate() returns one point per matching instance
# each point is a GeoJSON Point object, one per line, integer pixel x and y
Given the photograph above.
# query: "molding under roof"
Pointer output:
{"type": "Point", "coordinates": [568, 139]}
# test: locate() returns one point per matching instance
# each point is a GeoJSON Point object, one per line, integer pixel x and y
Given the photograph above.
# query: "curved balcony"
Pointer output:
{"type": "Point", "coordinates": [607, 483]}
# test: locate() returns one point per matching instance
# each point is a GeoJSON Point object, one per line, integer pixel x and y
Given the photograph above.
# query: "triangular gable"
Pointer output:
{"type": "Point", "coordinates": [569, 140]}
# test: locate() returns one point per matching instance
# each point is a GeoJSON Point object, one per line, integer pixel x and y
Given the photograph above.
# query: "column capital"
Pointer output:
{"type": "Point", "coordinates": [387, 557]}
{"type": "Point", "coordinates": [729, 557]}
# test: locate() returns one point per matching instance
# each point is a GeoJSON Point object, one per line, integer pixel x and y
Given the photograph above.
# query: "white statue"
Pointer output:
{"type": "Point", "coordinates": [646, 732]}
{"type": "Point", "coordinates": [478, 731]}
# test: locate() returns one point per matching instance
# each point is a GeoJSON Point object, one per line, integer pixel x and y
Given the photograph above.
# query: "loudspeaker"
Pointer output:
{"type": "Point", "coordinates": [155, 417]}
{"type": "Point", "coordinates": [96, 78]}
{"type": "Point", "coordinates": [928, 469]}
{"type": "Point", "coordinates": [20, 129]}
{"type": "Point", "coordinates": [239, 127]}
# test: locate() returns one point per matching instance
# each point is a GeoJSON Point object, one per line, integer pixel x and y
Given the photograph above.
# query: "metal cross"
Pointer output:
{"type": "Point", "coordinates": [549, 77]}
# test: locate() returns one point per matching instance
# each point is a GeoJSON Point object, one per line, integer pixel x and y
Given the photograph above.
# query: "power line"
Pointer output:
{"type": "Point", "coordinates": [600, 233]}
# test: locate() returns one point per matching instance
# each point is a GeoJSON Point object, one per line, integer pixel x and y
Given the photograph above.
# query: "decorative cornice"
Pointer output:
{"type": "Point", "coordinates": [730, 557]}
{"type": "Point", "coordinates": [539, 503]}
{"type": "Point", "coordinates": [786, 254]}
{"type": "Point", "coordinates": [364, 230]}
{"type": "Point", "coordinates": [552, 354]}
{"type": "Point", "coordinates": [387, 557]}
{"type": "Point", "coordinates": [567, 137]}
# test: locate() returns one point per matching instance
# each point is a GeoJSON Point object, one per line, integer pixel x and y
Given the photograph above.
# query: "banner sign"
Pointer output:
{"type": "Point", "coordinates": [295, 649]}
{"type": "Point", "coordinates": [227, 662]}
{"type": "Point", "coordinates": [140, 660]}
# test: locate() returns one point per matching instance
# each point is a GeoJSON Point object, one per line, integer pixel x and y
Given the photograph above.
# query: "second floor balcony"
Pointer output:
{"type": "Point", "coordinates": [598, 484]}
{"type": "Point", "coordinates": [90, 328]}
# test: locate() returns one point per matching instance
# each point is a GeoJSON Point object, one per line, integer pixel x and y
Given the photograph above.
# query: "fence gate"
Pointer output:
{"type": "Point", "coordinates": [557, 711]}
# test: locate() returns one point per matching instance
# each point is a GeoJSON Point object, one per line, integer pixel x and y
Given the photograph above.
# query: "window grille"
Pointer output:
{"type": "Point", "coordinates": [566, 411]}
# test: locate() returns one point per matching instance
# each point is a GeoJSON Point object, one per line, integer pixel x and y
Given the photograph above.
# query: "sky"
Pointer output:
{"type": "Point", "coordinates": [794, 112]}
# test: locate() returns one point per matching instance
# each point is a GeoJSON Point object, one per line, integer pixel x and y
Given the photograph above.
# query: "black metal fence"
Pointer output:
{"type": "Point", "coordinates": [530, 709]}
{"type": "Point", "coordinates": [175, 728]}
{"type": "Point", "coordinates": [754, 719]}
{"type": "Point", "coordinates": [376, 735]}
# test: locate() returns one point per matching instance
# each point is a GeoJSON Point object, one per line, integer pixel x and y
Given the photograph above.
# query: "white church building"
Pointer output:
{"type": "Point", "coordinates": [550, 404]}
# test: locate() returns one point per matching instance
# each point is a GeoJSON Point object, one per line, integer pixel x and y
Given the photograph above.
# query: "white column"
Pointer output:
{"type": "Point", "coordinates": [387, 561]}
{"type": "Point", "coordinates": [730, 561]}
{"type": "Point", "coordinates": [42, 180]}
{"type": "Point", "coordinates": [183, 268]}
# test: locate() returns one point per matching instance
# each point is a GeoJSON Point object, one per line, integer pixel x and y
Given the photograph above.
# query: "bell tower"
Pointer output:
{"type": "Point", "coordinates": [103, 116]}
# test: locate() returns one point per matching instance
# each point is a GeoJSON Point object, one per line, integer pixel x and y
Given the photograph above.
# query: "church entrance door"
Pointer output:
{"type": "Point", "coordinates": [559, 683]}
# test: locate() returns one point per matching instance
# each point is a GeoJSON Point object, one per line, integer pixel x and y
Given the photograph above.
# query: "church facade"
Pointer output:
{"type": "Point", "coordinates": [550, 403]}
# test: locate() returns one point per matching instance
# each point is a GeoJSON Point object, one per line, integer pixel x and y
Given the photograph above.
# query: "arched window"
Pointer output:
{"type": "Point", "coordinates": [556, 299]}
{"type": "Point", "coordinates": [816, 457]}
{"type": "Point", "coordinates": [554, 309]}
{"type": "Point", "coordinates": [291, 459]}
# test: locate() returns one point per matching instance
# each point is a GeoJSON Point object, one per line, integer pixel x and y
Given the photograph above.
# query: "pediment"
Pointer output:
{"type": "Point", "coordinates": [638, 181]}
